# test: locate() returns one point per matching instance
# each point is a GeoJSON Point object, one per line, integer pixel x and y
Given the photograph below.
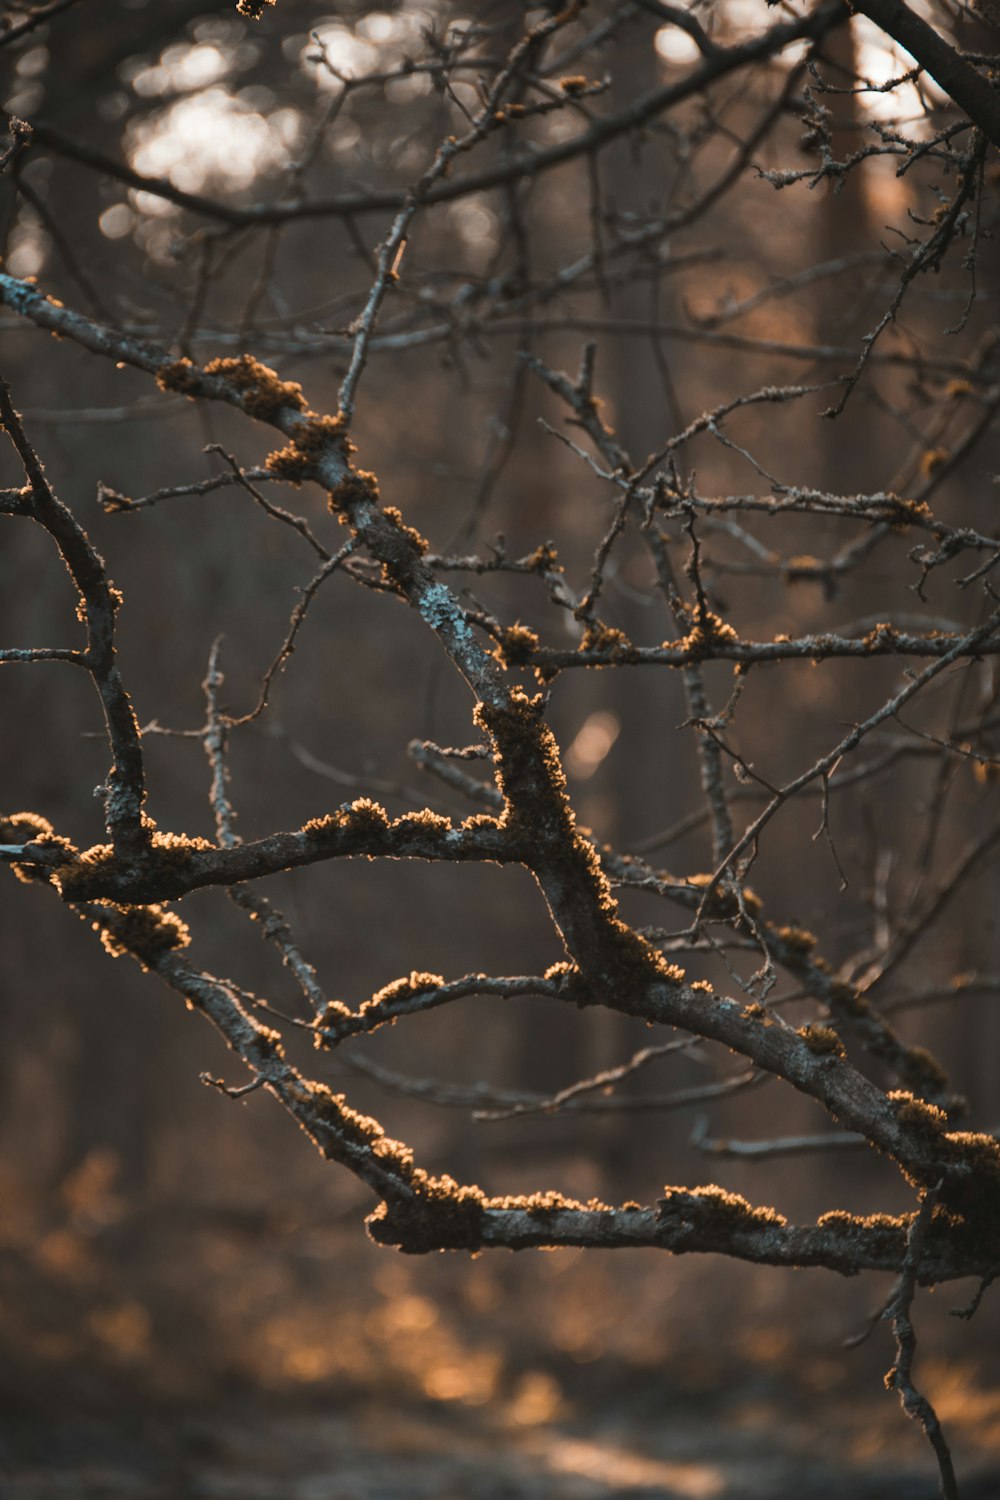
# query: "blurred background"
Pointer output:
{"type": "Point", "coordinates": [189, 1303]}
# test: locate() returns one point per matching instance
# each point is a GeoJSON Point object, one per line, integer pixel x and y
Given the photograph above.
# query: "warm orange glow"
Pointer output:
{"type": "Point", "coordinates": [612, 1465]}
{"type": "Point", "coordinates": [537, 1400]}
{"type": "Point", "coordinates": [592, 744]}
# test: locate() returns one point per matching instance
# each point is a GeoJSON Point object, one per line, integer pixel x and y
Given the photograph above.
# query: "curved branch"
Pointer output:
{"type": "Point", "coordinates": [958, 78]}
{"type": "Point", "coordinates": [126, 784]}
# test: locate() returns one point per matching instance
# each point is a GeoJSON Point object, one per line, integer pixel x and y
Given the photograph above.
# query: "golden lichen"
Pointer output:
{"type": "Point", "coordinates": [708, 630]}
{"type": "Point", "coordinates": [917, 1114]}
{"type": "Point", "coordinates": [299, 459]}
{"type": "Point", "coordinates": [795, 939]}
{"type": "Point", "coordinates": [438, 1214]}
{"type": "Point", "coordinates": [266, 1043]}
{"type": "Point", "coordinates": [974, 1147]}
{"type": "Point", "coordinates": [822, 1040]}
{"type": "Point", "coordinates": [55, 841]}
{"type": "Point", "coordinates": [96, 856]}
{"type": "Point", "coordinates": [424, 819]}
{"type": "Point", "coordinates": [881, 1225]}
{"type": "Point", "coordinates": [362, 813]}
{"type": "Point", "coordinates": [35, 830]}
{"type": "Point", "coordinates": [317, 1097]}
{"type": "Point", "coordinates": [445, 1189]}
{"type": "Point", "coordinates": [932, 459]}
{"type": "Point", "coordinates": [179, 849]}
{"type": "Point", "coordinates": [261, 392]}
{"type": "Point", "coordinates": [574, 84]}
{"type": "Point", "coordinates": [356, 488]}
{"type": "Point", "coordinates": [540, 1205]}
{"type": "Point", "coordinates": [145, 932]}
{"type": "Point", "coordinates": [955, 389]}
{"type": "Point", "coordinates": [395, 516]}
{"type": "Point", "coordinates": [605, 638]}
{"type": "Point", "coordinates": [351, 1129]}
{"type": "Point", "coordinates": [334, 1011]}
{"type": "Point", "coordinates": [396, 1153]}
{"type": "Point", "coordinates": [264, 395]}
{"type": "Point", "coordinates": [32, 828]}
{"type": "Point", "coordinates": [365, 810]}
{"type": "Point", "coordinates": [518, 644]}
{"type": "Point", "coordinates": [412, 984]}
{"type": "Point", "coordinates": [520, 739]}
{"type": "Point", "coordinates": [528, 708]}
{"type": "Point", "coordinates": [703, 985]}
{"type": "Point", "coordinates": [729, 1209]}
{"type": "Point", "coordinates": [179, 375]}
{"type": "Point", "coordinates": [544, 559]}
{"type": "Point", "coordinates": [72, 879]}
{"type": "Point", "coordinates": [24, 822]}
{"type": "Point", "coordinates": [912, 510]}
{"type": "Point", "coordinates": [673, 973]}
{"type": "Point", "coordinates": [537, 1205]}
{"type": "Point", "coordinates": [479, 820]}
{"type": "Point", "coordinates": [883, 634]}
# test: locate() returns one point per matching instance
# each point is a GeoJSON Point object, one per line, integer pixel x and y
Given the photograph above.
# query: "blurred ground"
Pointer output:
{"type": "Point", "coordinates": [156, 1353]}
{"type": "Point", "coordinates": [734, 1444]}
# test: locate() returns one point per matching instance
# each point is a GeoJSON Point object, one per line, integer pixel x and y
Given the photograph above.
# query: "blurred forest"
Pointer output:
{"type": "Point", "coordinates": [189, 1304]}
